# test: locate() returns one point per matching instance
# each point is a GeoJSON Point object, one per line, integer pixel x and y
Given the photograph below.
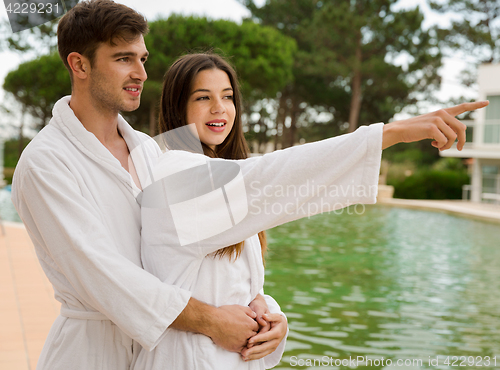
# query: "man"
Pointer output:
{"type": "Point", "coordinates": [75, 189]}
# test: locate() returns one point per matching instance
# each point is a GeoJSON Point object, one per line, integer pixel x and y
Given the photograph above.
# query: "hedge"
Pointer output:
{"type": "Point", "coordinates": [431, 184]}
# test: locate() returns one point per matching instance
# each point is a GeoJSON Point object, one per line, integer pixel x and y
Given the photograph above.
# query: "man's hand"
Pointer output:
{"type": "Point", "coordinates": [263, 344]}
{"type": "Point", "coordinates": [440, 126]}
{"type": "Point", "coordinates": [259, 306]}
{"type": "Point", "coordinates": [236, 324]}
{"type": "Point", "coordinates": [228, 326]}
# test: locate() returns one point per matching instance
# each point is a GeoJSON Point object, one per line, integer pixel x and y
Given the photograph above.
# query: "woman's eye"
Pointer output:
{"type": "Point", "coordinates": [202, 98]}
{"type": "Point", "coordinates": [229, 97]}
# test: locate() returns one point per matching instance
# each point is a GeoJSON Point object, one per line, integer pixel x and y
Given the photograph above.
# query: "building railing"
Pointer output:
{"type": "Point", "coordinates": [466, 192]}
{"type": "Point", "coordinates": [491, 131]}
{"type": "Point", "coordinates": [490, 192]}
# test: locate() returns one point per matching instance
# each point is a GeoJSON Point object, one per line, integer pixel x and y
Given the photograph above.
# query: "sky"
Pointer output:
{"type": "Point", "coordinates": [231, 9]}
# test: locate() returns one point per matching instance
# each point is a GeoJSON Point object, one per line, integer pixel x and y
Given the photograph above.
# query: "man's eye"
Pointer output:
{"type": "Point", "coordinates": [124, 59]}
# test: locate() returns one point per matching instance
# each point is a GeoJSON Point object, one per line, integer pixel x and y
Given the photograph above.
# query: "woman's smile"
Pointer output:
{"type": "Point", "coordinates": [217, 125]}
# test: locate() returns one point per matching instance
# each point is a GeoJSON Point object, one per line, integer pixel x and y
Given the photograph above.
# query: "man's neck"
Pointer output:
{"type": "Point", "coordinates": [103, 124]}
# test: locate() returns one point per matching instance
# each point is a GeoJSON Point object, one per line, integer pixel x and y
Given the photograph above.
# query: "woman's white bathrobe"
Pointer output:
{"type": "Point", "coordinates": [279, 187]}
{"type": "Point", "coordinates": [79, 207]}
{"type": "Point", "coordinates": [214, 280]}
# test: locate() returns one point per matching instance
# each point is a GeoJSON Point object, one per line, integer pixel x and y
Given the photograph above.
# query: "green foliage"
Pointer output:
{"type": "Point", "coordinates": [38, 84]}
{"type": "Point", "coordinates": [431, 184]}
{"type": "Point", "coordinates": [262, 56]}
{"type": "Point", "coordinates": [449, 164]}
{"type": "Point", "coordinates": [397, 172]}
{"type": "Point", "coordinates": [38, 40]}
{"type": "Point", "coordinates": [418, 172]}
{"type": "Point", "coordinates": [422, 153]}
{"type": "Point", "coordinates": [347, 53]}
{"type": "Point", "coordinates": [476, 30]}
{"type": "Point", "coordinates": [11, 152]}
{"type": "Point", "coordinates": [410, 155]}
{"type": "Point", "coordinates": [8, 174]}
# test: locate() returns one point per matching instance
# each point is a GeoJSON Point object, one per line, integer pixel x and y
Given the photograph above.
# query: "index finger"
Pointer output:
{"type": "Point", "coordinates": [466, 107]}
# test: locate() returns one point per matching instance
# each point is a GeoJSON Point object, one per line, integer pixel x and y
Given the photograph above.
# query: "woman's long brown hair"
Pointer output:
{"type": "Point", "coordinates": [177, 86]}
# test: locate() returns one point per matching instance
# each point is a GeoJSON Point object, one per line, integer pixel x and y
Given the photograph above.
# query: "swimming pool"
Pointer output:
{"type": "Point", "coordinates": [7, 210]}
{"type": "Point", "coordinates": [390, 283]}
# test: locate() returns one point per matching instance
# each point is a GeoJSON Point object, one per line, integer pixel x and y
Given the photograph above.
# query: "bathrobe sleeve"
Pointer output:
{"type": "Point", "coordinates": [77, 245]}
{"type": "Point", "coordinates": [259, 193]}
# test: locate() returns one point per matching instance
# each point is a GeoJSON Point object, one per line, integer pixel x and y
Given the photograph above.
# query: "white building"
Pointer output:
{"type": "Point", "coordinates": [483, 140]}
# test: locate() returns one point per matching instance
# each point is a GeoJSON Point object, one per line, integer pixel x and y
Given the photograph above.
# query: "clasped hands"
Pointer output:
{"type": "Point", "coordinates": [252, 331]}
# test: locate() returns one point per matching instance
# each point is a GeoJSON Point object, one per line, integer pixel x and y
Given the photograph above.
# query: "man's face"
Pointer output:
{"type": "Point", "coordinates": [117, 75]}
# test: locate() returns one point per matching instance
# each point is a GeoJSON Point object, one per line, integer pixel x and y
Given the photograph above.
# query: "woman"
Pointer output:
{"type": "Point", "coordinates": [182, 206]}
{"type": "Point", "coordinates": [203, 89]}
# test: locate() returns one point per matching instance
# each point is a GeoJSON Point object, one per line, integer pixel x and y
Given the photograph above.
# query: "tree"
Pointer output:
{"type": "Point", "coordinates": [37, 40]}
{"type": "Point", "coordinates": [36, 37]}
{"type": "Point", "coordinates": [349, 52]}
{"type": "Point", "coordinates": [475, 32]}
{"type": "Point", "coordinates": [38, 84]}
{"type": "Point", "coordinates": [262, 57]}
{"type": "Point", "coordinates": [34, 41]}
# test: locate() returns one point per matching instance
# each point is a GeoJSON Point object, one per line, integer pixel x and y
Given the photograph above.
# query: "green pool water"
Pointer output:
{"type": "Point", "coordinates": [7, 210]}
{"type": "Point", "coordinates": [389, 283]}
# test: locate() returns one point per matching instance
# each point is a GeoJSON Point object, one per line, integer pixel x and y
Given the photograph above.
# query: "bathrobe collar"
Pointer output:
{"type": "Point", "coordinates": [64, 119]}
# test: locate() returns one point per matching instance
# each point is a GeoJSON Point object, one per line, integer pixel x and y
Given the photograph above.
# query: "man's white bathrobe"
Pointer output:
{"type": "Point", "coordinates": [278, 187]}
{"type": "Point", "coordinates": [79, 207]}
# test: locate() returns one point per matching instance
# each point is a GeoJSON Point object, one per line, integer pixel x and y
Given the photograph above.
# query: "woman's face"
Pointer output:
{"type": "Point", "coordinates": [210, 106]}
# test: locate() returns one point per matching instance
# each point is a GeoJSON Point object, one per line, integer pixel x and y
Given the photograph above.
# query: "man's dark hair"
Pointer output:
{"type": "Point", "coordinates": [90, 23]}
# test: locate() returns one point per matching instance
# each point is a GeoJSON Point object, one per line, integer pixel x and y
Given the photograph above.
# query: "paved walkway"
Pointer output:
{"type": "Point", "coordinates": [28, 308]}
{"type": "Point", "coordinates": [27, 304]}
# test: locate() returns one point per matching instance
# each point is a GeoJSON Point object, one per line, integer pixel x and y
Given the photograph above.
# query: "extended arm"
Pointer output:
{"type": "Point", "coordinates": [440, 126]}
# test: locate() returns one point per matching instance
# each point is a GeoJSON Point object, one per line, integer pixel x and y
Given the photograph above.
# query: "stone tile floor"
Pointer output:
{"type": "Point", "coordinates": [27, 304]}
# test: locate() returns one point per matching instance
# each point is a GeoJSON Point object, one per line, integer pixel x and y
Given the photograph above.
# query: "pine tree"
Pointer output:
{"type": "Point", "coordinates": [347, 62]}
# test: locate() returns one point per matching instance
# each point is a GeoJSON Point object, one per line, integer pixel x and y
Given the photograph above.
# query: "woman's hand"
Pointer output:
{"type": "Point", "coordinates": [259, 306]}
{"type": "Point", "coordinates": [264, 343]}
{"type": "Point", "coordinates": [440, 126]}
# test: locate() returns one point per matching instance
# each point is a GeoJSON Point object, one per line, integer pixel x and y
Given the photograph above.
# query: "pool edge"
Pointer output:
{"type": "Point", "coordinates": [458, 208]}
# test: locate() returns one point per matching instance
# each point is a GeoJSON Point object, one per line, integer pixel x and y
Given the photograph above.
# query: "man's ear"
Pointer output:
{"type": "Point", "coordinates": [80, 65]}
